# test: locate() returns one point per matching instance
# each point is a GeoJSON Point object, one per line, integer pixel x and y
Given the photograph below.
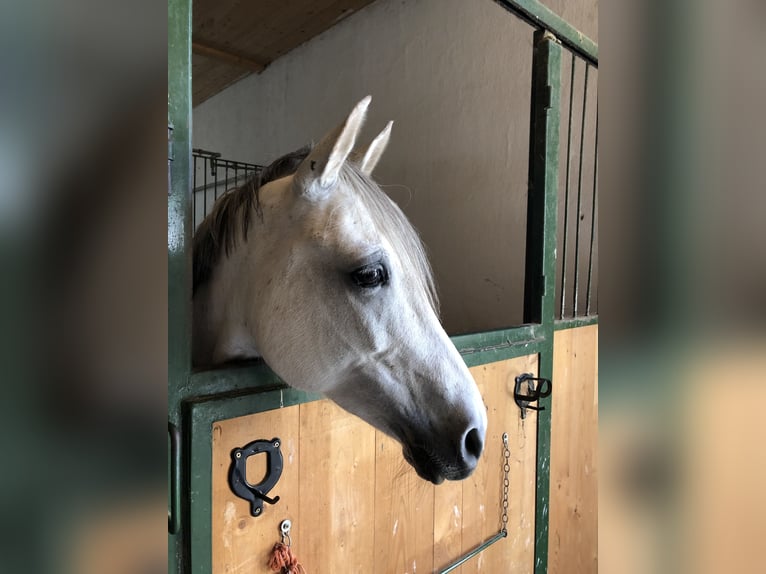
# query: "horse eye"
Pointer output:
{"type": "Point", "coordinates": [370, 276]}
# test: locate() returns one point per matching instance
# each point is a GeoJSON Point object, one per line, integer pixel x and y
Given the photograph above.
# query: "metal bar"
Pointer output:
{"type": "Point", "coordinates": [542, 18]}
{"type": "Point", "coordinates": [200, 151]}
{"type": "Point", "coordinates": [194, 192]}
{"type": "Point", "coordinates": [594, 211]}
{"type": "Point", "coordinates": [566, 193]}
{"type": "Point", "coordinates": [478, 550]}
{"type": "Point", "coordinates": [542, 221]}
{"type": "Point", "coordinates": [542, 204]}
{"type": "Point", "coordinates": [465, 343]}
{"type": "Point", "coordinates": [174, 473]}
{"type": "Point", "coordinates": [579, 196]}
{"type": "Point", "coordinates": [226, 177]}
{"type": "Point", "coordinates": [575, 322]}
{"type": "Point", "coordinates": [215, 182]}
{"type": "Point", "coordinates": [243, 379]}
{"type": "Point", "coordinates": [236, 173]}
{"type": "Point", "coordinates": [204, 190]}
{"type": "Point", "coordinates": [179, 278]}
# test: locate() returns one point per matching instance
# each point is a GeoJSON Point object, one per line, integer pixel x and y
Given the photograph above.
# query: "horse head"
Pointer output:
{"type": "Point", "coordinates": [334, 289]}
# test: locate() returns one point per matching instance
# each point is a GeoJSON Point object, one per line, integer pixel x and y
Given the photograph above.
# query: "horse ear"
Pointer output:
{"type": "Point", "coordinates": [369, 159]}
{"type": "Point", "coordinates": [318, 173]}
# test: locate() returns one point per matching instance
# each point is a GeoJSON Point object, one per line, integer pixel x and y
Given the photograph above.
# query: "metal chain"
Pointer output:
{"type": "Point", "coordinates": [506, 483]}
{"type": "Point", "coordinates": [504, 514]}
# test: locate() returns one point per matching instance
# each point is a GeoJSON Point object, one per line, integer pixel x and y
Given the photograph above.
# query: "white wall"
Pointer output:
{"type": "Point", "coordinates": [454, 76]}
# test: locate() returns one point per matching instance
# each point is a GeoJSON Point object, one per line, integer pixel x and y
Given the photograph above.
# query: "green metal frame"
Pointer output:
{"type": "Point", "coordinates": [574, 322]}
{"type": "Point", "coordinates": [179, 268]}
{"type": "Point", "coordinates": [197, 400]}
{"type": "Point", "coordinates": [541, 17]}
{"type": "Point", "coordinates": [540, 272]}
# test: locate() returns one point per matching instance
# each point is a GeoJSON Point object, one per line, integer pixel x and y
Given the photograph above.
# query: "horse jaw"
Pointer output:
{"type": "Point", "coordinates": [419, 392]}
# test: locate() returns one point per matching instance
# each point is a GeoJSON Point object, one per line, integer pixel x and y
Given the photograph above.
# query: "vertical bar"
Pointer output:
{"type": "Point", "coordinates": [579, 195]}
{"type": "Point", "coordinates": [194, 191]}
{"type": "Point", "coordinates": [540, 278]}
{"type": "Point", "coordinates": [540, 270]}
{"type": "Point", "coordinates": [179, 268]}
{"type": "Point", "coordinates": [566, 193]}
{"type": "Point", "coordinates": [204, 189]}
{"type": "Point", "coordinates": [594, 210]}
{"type": "Point", "coordinates": [226, 184]}
{"type": "Point", "coordinates": [215, 181]}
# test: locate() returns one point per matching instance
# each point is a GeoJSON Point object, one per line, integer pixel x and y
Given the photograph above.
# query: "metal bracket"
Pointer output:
{"type": "Point", "coordinates": [533, 394]}
{"type": "Point", "coordinates": [171, 155]}
{"type": "Point", "coordinates": [256, 493]}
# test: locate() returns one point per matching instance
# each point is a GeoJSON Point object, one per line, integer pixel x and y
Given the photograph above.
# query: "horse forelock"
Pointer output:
{"type": "Point", "coordinates": [232, 213]}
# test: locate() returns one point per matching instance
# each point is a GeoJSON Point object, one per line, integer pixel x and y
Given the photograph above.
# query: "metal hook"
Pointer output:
{"type": "Point", "coordinates": [256, 493]}
{"type": "Point", "coordinates": [284, 527]}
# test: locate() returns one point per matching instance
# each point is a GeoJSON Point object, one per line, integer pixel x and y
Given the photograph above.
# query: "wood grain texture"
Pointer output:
{"type": "Point", "coordinates": [241, 542]}
{"type": "Point", "coordinates": [448, 523]}
{"type": "Point", "coordinates": [404, 513]}
{"type": "Point", "coordinates": [259, 31]}
{"type": "Point", "coordinates": [357, 506]}
{"type": "Point", "coordinates": [335, 532]}
{"type": "Point", "coordinates": [573, 538]}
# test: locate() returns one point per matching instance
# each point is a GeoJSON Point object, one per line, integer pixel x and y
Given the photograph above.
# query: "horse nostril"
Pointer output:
{"type": "Point", "coordinates": [474, 443]}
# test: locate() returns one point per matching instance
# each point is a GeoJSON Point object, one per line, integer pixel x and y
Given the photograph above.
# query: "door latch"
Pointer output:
{"type": "Point", "coordinates": [534, 392]}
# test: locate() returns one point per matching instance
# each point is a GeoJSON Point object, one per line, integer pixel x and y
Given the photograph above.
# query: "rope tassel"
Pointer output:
{"type": "Point", "coordinates": [283, 560]}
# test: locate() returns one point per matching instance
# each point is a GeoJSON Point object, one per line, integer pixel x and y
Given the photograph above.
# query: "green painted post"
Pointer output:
{"type": "Point", "coordinates": [179, 278]}
{"type": "Point", "coordinates": [539, 289]}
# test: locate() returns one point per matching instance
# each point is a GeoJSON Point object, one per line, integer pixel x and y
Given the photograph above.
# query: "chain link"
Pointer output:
{"type": "Point", "coordinates": [506, 483]}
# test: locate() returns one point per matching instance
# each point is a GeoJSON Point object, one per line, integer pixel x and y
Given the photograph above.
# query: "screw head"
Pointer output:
{"type": "Point", "coordinates": [276, 444]}
{"type": "Point", "coordinates": [238, 455]}
{"type": "Point", "coordinates": [257, 511]}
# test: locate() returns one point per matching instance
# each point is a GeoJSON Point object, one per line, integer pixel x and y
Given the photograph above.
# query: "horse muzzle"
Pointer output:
{"type": "Point", "coordinates": [454, 462]}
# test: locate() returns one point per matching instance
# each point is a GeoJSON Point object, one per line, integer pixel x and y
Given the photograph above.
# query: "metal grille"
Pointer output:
{"type": "Point", "coordinates": [577, 242]}
{"type": "Point", "coordinates": [212, 177]}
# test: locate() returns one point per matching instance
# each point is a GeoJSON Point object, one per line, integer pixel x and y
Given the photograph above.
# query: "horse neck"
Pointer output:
{"type": "Point", "coordinates": [221, 310]}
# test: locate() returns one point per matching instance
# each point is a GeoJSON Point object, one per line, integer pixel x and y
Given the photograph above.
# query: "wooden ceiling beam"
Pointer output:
{"type": "Point", "coordinates": [208, 51]}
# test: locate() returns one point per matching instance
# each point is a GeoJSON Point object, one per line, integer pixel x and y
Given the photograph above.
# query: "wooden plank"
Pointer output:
{"type": "Point", "coordinates": [482, 492]}
{"type": "Point", "coordinates": [357, 505]}
{"type": "Point", "coordinates": [241, 542]}
{"type": "Point", "coordinates": [337, 490]}
{"type": "Point", "coordinates": [404, 513]}
{"type": "Point", "coordinates": [573, 539]}
{"type": "Point", "coordinates": [257, 31]}
{"type": "Point", "coordinates": [227, 56]}
{"type": "Point", "coordinates": [448, 523]}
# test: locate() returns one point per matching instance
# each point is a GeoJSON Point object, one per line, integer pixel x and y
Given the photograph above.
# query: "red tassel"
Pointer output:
{"type": "Point", "coordinates": [282, 560]}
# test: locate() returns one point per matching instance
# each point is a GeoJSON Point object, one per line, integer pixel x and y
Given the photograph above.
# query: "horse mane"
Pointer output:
{"type": "Point", "coordinates": [218, 231]}
{"type": "Point", "coordinates": [392, 223]}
